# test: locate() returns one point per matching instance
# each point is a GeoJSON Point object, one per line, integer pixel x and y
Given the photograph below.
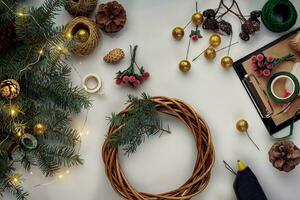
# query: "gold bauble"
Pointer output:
{"type": "Point", "coordinates": [178, 33]}
{"type": "Point", "coordinates": [184, 66]}
{"type": "Point", "coordinates": [226, 62]}
{"type": "Point", "coordinates": [197, 18]}
{"type": "Point", "coordinates": [242, 125]}
{"type": "Point", "coordinates": [82, 35]}
{"type": "Point", "coordinates": [9, 89]}
{"type": "Point", "coordinates": [215, 40]}
{"type": "Point", "coordinates": [39, 129]}
{"type": "Point", "coordinates": [210, 53]}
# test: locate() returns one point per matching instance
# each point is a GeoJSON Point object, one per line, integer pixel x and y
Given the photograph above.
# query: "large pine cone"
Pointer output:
{"type": "Point", "coordinates": [111, 17]}
{"type": "Point", "coordinates": [8, 36]}
{"type": "Point", "coordinates": [284, 156]}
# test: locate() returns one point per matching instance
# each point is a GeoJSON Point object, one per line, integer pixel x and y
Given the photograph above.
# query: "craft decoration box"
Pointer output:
{"type": "Point", "coordinates": [274, 116]}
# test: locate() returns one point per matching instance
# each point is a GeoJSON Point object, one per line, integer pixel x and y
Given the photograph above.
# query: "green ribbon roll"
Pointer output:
{"type": "Point", "coordinates": [279, 15]}
{"type": "Point", "coordinates": [276, 77]}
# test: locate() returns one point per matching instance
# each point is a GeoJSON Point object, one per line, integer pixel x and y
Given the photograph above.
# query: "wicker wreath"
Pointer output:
{"type": "Point", "coordinates": [87, 47]}
{"type": "Point", "coordinates": [204, 163]}
{"type": "Point", "coordinates": [80, 7]}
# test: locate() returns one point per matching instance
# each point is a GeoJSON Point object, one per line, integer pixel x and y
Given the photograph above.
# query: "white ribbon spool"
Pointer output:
{"type": "Point", "coordinates": [87, 78]}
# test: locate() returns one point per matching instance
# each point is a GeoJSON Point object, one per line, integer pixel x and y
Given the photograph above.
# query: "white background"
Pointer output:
{"type": "Point", "coordinates": [164, 163]}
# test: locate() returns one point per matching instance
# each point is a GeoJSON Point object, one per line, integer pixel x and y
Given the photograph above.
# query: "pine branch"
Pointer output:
{"type": "Point", "coordinates": [141, 121]}
{"type": "Point", "coordinates": [52, 157]}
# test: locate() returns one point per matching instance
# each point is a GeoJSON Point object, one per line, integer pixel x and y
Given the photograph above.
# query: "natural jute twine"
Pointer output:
{"type": "Point", "coordinates": [83, 48]}
{"type": "Point", "coordinates": [204, 162]}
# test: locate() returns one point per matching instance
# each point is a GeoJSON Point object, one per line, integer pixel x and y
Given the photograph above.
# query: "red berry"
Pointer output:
{"type": "Point", "coordinates": [141, 78]}
{"type": "Point", "coordinates": [126, 79]}
{"type": "Point", "coordinates": [266, 72]}
{"type": "Point", "coordinates": [254, 59]}
{"type": "Point", "coordinates": [254, 66]}
{"type": "Point", "coordinates": [118, 81]}
{"type": "Point", "coordinates": [260, 57]}
{"type": "Point", "coordinates": [146, 75]}
{"type": "Point", "coordinates": [136, 83]}
{"type": "Point", "coordinates": [195, 38]}
{"type": "Point", "coordinates": [270, 59]}
{"type": "Point", "coordinates": [261, 63]}
{"type": "Point", "coordinates": [132, 79]}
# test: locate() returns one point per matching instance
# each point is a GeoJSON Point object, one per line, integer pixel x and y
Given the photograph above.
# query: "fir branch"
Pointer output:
{"type": "Point", "coordinates": [52, 157]}
{"type": "Point", "coordinates": [17, 192]}
{"type": "Point", "coordinates": [139, 122]}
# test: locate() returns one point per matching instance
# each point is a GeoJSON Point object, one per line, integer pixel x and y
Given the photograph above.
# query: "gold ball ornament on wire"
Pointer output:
{"type": "Point", "coordinates": [184, 66]}
{"type": "Point", "coordinates": [215, 40]}
{"type": "Point", "coordinates": [197, 18]}
{"type": "Point", "coordinates": [210, 53]}
{"type": "Point", "coordinates": [39, 129]}
{"type": "Point", "coordinates": [82, 35]}
{"type": "Point", "coordinates": [242, 125]}
{"type": "Point", "coordinates": [226, 62]}
{"type": "Point", "coordinates": [178, 33]}
{"type": "Point", "coordinates": [9, 89]}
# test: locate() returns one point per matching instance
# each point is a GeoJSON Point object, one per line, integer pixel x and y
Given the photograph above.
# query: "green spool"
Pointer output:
{"type": "Point", "coordinates": [276, 77]}
{"type": "Point", "coordinates": [279, 15]}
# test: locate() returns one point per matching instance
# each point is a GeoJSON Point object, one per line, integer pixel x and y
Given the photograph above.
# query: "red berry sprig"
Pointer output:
{"type": "Point", "coordinates": [263, 65]}
{"type": "Point", "coordinates": [129, 77]}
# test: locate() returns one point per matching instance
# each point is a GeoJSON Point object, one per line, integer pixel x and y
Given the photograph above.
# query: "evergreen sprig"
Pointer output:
{"type": "Point", "coordinates": [47, 94]}
{"type": "Point", "coordinates": [138, 123]}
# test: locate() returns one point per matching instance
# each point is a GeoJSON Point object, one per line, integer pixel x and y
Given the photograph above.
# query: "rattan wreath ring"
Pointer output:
{"type": "Point", "coordinates": [87, 47]}
{"type": "Point", "coordinates": [204, 162]}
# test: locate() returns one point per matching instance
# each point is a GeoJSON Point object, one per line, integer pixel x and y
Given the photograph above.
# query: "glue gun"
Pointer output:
{"type": "Point", "coordinates": [246, 185]}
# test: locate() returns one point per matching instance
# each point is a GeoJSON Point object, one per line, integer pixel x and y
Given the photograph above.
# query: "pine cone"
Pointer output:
{"type": "Point", "coordinates": [225, 26]}
{"type": "Point", "coordinates": [114, 56]}
{"type": "Point", "coordinates": [210, 24]}
{"type": "Point", "coordinates": [284, 156]}
{"type": "Point", "coordinates": [80, 7]}
{"type": "Point", "coordinates": [8, 36]}
{"type": "Point", "coordinates": [111, 17]}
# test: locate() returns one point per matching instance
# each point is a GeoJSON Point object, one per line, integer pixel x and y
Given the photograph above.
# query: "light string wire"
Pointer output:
{"type": "Point", "coordinates": [21, 14]}
{"type": "Point", "coordinates": [28, 67]}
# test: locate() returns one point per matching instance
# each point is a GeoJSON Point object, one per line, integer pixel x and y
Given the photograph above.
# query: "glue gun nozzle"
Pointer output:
{"type": "Point", "coordinates": [241, 166]}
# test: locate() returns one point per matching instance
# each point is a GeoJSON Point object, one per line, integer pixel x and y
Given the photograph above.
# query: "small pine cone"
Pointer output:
{"type": "Point", "coordinates": [255, 14]}
{"type": "Point", "coordinates": [80, 7]}
{"type": "Point", "coordinates": [248, 28]}
{"type": "Point", "coordinates": [284, 156]}
{"type": "Point", "coordinates": [114, 56]}
{"type": "Point", "coordinates": [225, 26]}
{"type": "Point", "coordinates": [255, 25]}
{"type": "Point", "coordinates": [209, 13]}
{"type": "Point", "coordinates": [244, 36]}
{"type": "Point", "coordinates": [210, 24]}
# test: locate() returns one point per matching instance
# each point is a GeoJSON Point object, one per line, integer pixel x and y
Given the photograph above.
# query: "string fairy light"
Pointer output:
{"type": "Point", "coordinates": [14, 110]}
{"type": "Point", "coordinates": [15, 179]}
{"type": "Point", "coordinates": [41, 51]}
